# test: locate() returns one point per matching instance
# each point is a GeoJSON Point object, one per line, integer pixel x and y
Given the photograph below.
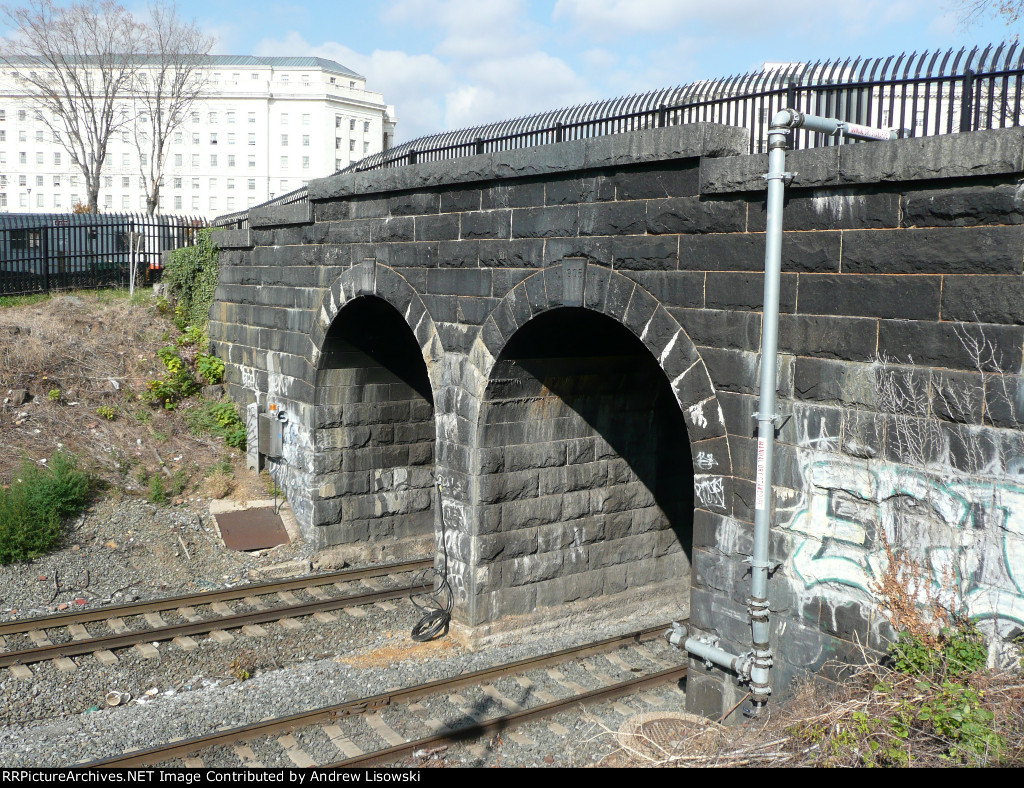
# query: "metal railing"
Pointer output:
{"type": "Point", "coordinates": [919, 95]}
{"type": "Point", "coordinates": [45, 251]}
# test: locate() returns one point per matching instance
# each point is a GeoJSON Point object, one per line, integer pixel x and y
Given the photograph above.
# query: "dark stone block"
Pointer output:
{"type": "Point", "coordinates": [368, 207]}
{"type": "Point", "coordinates": [958, 396]}
{"type": "Point", "coordinates": [952, 345]}
{"type": "Point", "coordinates": [536, 292]}
{"type": "Point", "coordinates": [356, 231]}
{"type": "Point", "coordinates": [831, 210]}
{"type": "Point", "coordinates": [393, 229]}
{"type": "Point", "coordinates": [513, 195]}
{"type": "Point", "coordinates": [407, 255]}
{"type": "Point", "coordinates": [732, 370]}
{"type": "Point", "coordinates": [620, 291]}
{"type": "Point", "coordinates": [1004, 402]}
{"type": "Point", "coordinates": [641, 308]}
{"type": "Point", "coordinates": [668, 179]}
{"type": "Point", "coordinates": [851, 339]}
{"type": "Point", "coordinates": [845, 383]}
{"type": "Point", "coordinates": [914, 298]}
{"type": "Point", "coordinates": [812, 252]}
{"type": "Point", "coordinates": [985, 299]}
{"type": "Point", "coordinates": [555, 222]}
{"type": "Point", "coordinates": [458, 254]}
{"type": "Point", "coordinates": [863, 434]}
{"type": "Point", "coordinates": [599, 250]}
{"type": "Point", "coordinates": [457, 200]}
{"type": "Point", "coordinates": [612, 218]}
{"type": "Point", "coordinates": [696, 215]}
{"type": "Point", "coordinates": [567, 191]}
{"type": "Point", "coordinates": [523, 253]}
{"type": "Point", "coordinates": [964, 207]}
{"type": "Point", "coordinates": [645, 253]}
{"type": "Point", "coordinates": [720, 328]}
{"type": "Point", "coordinates": [672, 288]}
{"type": "Point", "coordinates": [949, 250]}
{"type": "Point", "coordinates": [414, 204]}
{"type": "Point", "coordinates": [742, 290]}
{"type": "Point", "coordinates": [596, 287]}
{"type": "Point", "coordinates": [487, 224]}
{"type": "Point", "coordinates": [443, 227]}
{"type": "Point", "coordinates": [332, 211]}
{"type": "Point", "coordinates": [456, 281]}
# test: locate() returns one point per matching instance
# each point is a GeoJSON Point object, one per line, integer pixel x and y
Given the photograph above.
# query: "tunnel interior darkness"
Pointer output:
{"type": "Point", "coordinates": [375, 429]}
{"type": "Point", "coordinates": [586, 472]}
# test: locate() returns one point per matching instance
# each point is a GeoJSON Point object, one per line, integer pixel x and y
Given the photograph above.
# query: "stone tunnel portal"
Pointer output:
{"type": "Point", "coordinates": [375, 433]}
{"type": "Point", "coordinates": [586, 476]}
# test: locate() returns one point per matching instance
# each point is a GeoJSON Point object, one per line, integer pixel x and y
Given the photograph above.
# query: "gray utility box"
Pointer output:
{"type": "Point", "coordinates": [265, 432]}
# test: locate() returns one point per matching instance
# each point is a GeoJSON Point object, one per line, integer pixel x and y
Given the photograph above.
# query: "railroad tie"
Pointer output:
{"type": "Point", "coordinates": [185, 643]}
{"type": "Point", "coordinates": [21, 671]}
{"type": "Point", "coordinates": [387, 607]}
{"type": "Point", "coordinates": [39, 637]}
{"type": "Point", "coordinates": [247, 756]}
{"type": "Point", "coordinates": [193, 763]}
{"type": "Point", "coordinates": [355, 612]}
{"type": "Point", "coordinates": [253, 601]}
{"type": "Point", "coordinates": [154, 620]}
{"type": "Point", "coordinates": [3, 644]}
{"type": "Point", "coordinates": [65, 665]}
{"type": "Point", "coordinates": [325, 617]}
{"type": "Point", "coordinates": [492, 692]}
{"type": "Point", "coordinates": [619, 662]}
{"type": "Point", "coordinates": [645, 651]}
{"type": "Point", "coordinates": [254, 631]}
{"type": "Point", "coordinates": [372, 584]}
{"type": "Point", "coordinates": [316, 593]}
{"type": "Point", "coordinates": [147, 650]}
{"type": "Point", "coordinates": [221, 637]}
{"type": "Point", "coordinates": [117, 625]}
{"type": "Point", "coordinates": [78, 632]}
{"type": "Point", "coordinates": [290, 623]}
{"type": "Point", "coordinates": [295, 753]}
{"type": "Point", "coordinates": [652, 700]}
{"type": "Point", "coordinates": [343, 587]}
{"type": "Point", "coordinates": [288, 598]}
{"type": "Point", "coordinates": [557, 729]}
{"type": "Point", "coordinates": [105, 657]}
{"type": "Point", "coordinates": [385, 731]}
{"type": "Point", "coordinates": [557, 676]}
{"type": "Point", "coordinates": [597, 673]}
{"type": "Point", "coordinates": [189, 614]}
{"type": "Point", "coordinates": [435, 725]}
{"type": "Point", "coordinates": [339, 739]}
{"type": "Point", "coordinates": [221, 609]}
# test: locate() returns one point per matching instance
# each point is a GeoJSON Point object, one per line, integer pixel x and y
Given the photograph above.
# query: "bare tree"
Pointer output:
{"type": "Point", "coordinates": [76, 66]}
{"type": "Point", "coordinates": [168, 84]}
{"type": "Point", "coordinates": [972, 11]}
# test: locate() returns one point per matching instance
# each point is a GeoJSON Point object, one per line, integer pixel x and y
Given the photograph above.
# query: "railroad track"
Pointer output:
{"type": "Point", "coordinates": [147, 626]}
{"type": "Point", "coordinates": [428, 715]}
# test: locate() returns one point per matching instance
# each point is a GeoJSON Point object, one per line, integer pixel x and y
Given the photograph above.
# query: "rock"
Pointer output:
{"type": "Point", "coordinates": [19, 396]}
{"type": "Point", "coordinates": [62, 606]}
{"type": "Point", "coordinates": [213, 392]}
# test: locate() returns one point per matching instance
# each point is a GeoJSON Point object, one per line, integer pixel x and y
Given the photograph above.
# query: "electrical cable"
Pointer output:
{"type": "Point", "coordinates": [435, 602]}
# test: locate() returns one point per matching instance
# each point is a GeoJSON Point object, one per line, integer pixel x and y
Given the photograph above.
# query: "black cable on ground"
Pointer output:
{"type": "Point", "coordinates": [436, 598]}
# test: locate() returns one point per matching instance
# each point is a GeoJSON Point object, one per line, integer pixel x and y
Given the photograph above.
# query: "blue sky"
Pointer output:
{"type": "Point", "coordinates": [451, 63]}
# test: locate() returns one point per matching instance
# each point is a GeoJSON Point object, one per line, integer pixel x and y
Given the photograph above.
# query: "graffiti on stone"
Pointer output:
{"type": "Point", "coordinates": [966, 533]}
{"type": "Point", "coordinates": [706, 461]}
{"type": "Point", "coordinates": [709, 490]}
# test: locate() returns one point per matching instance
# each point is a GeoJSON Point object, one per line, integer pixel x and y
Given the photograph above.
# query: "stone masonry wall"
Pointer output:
{"type": "Point", "coordinates": [900, 353]}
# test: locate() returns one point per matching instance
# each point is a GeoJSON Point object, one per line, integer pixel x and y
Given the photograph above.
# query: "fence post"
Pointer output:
{"type": "Point", "coordinates": [44, 249]}
{"type": "Point", "coordinates": [558, 131]}
{"type": "Point", "coordinates": [662, 116]}
{"type": "Point", "coordinates": [412, 155]}
{"type": "Point", "coordinates": [966, 100]}
{"type": "Point", "coordinates": [479, 145]}
{"type": "Point", "coordinates": [790, 95]}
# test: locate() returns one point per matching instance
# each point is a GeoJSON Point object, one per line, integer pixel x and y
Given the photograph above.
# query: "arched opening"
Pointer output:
{"type": "Point", "coordinates": [586, 478]}
{"type": "Point", "coordinates": [374, 452]}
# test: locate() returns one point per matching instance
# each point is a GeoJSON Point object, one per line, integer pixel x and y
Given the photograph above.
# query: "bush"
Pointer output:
{"type": "Point", "coordinates": [191, 276]}
{"type": "Point", "coordinates": [34, 507]}
{"type": "Point", "coordinates": [219, 418]}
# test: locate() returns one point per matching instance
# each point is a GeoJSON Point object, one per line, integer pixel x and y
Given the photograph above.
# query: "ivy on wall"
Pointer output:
{"type": "Point", "coordinates": [191, 276]}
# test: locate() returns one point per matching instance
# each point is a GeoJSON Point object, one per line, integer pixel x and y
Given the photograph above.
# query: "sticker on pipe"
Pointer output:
{"type": "Point", "coordinates": [762, 457]}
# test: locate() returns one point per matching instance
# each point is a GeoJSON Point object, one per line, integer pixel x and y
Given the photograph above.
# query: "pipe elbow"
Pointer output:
{"type": "Point", "coordinates": [786, 119]}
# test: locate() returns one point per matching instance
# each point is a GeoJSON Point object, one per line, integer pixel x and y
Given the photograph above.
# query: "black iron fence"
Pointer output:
{"type": "Point", "coordinates": [46, 251]}
{"type": "Point", "coordinates": [919, 95]}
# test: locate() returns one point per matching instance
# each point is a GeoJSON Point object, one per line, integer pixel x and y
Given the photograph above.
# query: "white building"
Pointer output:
{"type": "Point", "coordinates": [265, 126]}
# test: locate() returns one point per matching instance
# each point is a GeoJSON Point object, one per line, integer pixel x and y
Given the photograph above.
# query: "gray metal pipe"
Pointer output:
{"type": "Point", "coordinates": [754, 666]}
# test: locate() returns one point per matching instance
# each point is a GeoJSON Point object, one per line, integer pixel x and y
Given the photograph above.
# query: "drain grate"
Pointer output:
{"type": "Point", "coordinates": [251, 529]}
{"type": "Point", "coordinates": [660, 735]}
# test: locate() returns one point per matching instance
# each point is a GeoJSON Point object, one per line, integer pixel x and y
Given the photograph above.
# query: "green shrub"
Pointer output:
{"type": "Point", "coordinates": [191, 277]}
{"type": "Point", "coordinates": [157, 493]}
{"type": "Point", "coordinates": [210, 368]}
{"type": "Point", "coordinates": [53, 395]}
{"type": "Point", "coordinates": [107, 412]}
{"type": "Point", "coordinates": [218, 418]}
{"type": "Point", "coordinates": [34, 507]}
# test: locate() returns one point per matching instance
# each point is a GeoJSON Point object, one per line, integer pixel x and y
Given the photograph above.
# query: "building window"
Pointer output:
{"type": "Point", "coordinates": [252, 184]}
{"type": "Point", "coordinates": [195, 117]}
{"type": "Point", "coordinates": [178, 138]}
{"type": "Point", "coordinates": [284, 140]}
{"type": "Point", "coordinates": [177, 183]}
{"type": "Point", "coordinates": [213, 184]}
{"type": "Point", "coordinates": [366, 126]}
{"type": "Point", "coordinates": [195, 137]}
{"type": "Point", "coordinates": [22, 181]}
{"type": "Point", "coordinates": [126, 159]}
{"type": "Point", "coordinates": [74, 200]}
{"type": "Point", "coordinates": [305, 140]}
{"type": "Point", "coordinates": [213, 138]}
{"type": "Point", "coordinates": [231, 184]}
{"type": "Point", "coordinates": [56, 201]}
{"type": "Point", "coordinates": [39, 180]}
{"type": "Point", "coordinates": [284, 162]}
{"type": "Point", "coordinates": [250, 201]}
{"type": "Point", "coordinates": [337, 164]}
{"type": "Point", "coordinates": [56, 159]}
{"type": "Point", "coordinates": [252, 117]}
{"type": "Point", "coordinates": [252, 161]}
{"type": "Point", "coordinates": [351, 145]}
{"type": "Point", "coordinates": [39, 157]}
{"type": "Point", "coordinates": [254, 75]}
{"type": "Point", "coordinates": [213, 203]}
{"type": "Point", "coordinates": [231, 117]}
{"type": "Point", "coordinates": [143, 159]}
{"type": "Point", "coordinates": [74, 181]}
{"type": "Point", "coordinates": [3, 136]}
{"type": "Point", "coordinates": [108, 181]}
{"type": "Point", "coordinates": [56, 181]}
{"type": "Point", "coordinates": [252, 139]}
{"type": "Point", "coordinates": [284, 77]}
{"type": "Point", "coordinates": [39, 135]}
{"type": "Point", "coordinates": [305, 162]}
{"type": "Point", "coordinates": [231, 160]}
{"type": "Point", "coordinates": [124, 136]}
{"type": "Point", "coordinates": [142, 201]}
{"type": "Point", "coordinates": [213, 118]}
{"type": "Point", "coordinates": [3, 200]}
{"type": "Point", "coordinates": [284, 186]}
{"type": "Point", "coordinates": [21, 114]}
{"type": "Point", "coordinates": [352, 124]}
{"type": "Point", "coordinates": [195, 183]}
{"type": "Point", "coordinates": [177, 159]}
{"type": "Point", "coordinates": [195, 160]}
{"type": "Point", "coordinates": [213, 159]}
{"type": "Point", "coordinates": [195, 203]}
{"type": "Point", "coordinates": [22, 136]}
{"type": "Point", "coordinates": [177, 202]}
{"type": "Point", "coordinates": [125, 182]}
{"type": "Point", "coordinates": [337, 143]}
{"type": "Point", "coordinates": [306, 119]}
{"type": "Point", "coordinates": [125, 202]}
{"type": "Point", "coordinates": [351, 85]}
{"type": "Point", "coordinates": [231, 203]}
{"type": "Point", "coordinates": [23, 201]}
{"type": "Point", "coordinates": [231, 138]}
{"type": "Point", "coordinates": [366, 147]}
{"type": "Point", "coordinates": [337, 121]}
{"type": "Point", "coordinates": [142, 183]}
{"type": "Point", "coordinates": [3, 115]}
{"type": "Point", "coordinates": [284, 118]}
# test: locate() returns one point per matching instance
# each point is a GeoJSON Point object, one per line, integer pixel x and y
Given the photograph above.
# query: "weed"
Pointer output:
{"type": "Point", "coordinates": [210, 368]}
{"type": "Point", "coordinates": [270, 485]}
{"type": "Point", "coordinates": [240, 667]}
{"type": "Point", "coordinates": [144, 416]}
{"type": "Point", "coordinates": [53, 395]}
{"type": "Point", "coordinates": [107, 412]}
{"type": "Point", "coordinates": [34, 507]}
{"type": "Point", "coordinates": [161, 437]}
{"type": "Point", "coordinates": [157, 493]}
{"type": "Point", "coordinates": [179, 482]}
{"type": "Point", "coordinates": [218, 418]}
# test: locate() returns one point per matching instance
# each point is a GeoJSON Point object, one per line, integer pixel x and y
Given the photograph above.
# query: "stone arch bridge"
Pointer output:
{"type": "Point", "coordinates": [567, 337]}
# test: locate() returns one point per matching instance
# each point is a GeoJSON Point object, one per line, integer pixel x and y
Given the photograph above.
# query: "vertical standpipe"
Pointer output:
{"type": "Point", "coordinates": [753, 666]}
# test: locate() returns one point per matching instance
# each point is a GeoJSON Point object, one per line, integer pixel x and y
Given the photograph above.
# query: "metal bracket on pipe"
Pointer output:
{"type": "Point", "coordinates": [785, 177]}
{"type": "Point", "coordinates": [768, 565]}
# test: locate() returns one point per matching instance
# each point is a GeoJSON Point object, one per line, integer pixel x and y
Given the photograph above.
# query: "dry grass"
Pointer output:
{"type": "Point", "coordinates": [403, 650]}
{"type": "Point", "coordinates": [95, 351]}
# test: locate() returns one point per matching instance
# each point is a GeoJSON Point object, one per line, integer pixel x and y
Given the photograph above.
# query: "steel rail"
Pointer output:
{"type": "Point", "coordinates": [79, 647]}
{"type": "Point", "coordinates": [514, 719]}
{"type": "Point", "coordinates": [209, 597]}
{"type": "Point", "coordinates": [362, 705]}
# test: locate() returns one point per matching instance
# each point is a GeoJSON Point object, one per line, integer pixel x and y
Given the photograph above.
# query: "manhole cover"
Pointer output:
{"type": "Point", "coordinates": [251, 529]}
{"type": "Point", "coordinates": [660, 735]}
